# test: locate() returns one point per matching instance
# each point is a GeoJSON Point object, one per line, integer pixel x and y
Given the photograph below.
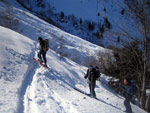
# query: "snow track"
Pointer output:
{"type": "Point", "coordinates": [41, 94]}
{"type": "Point", "coordinates": [30, 96]}
{"type": "Point", "coordinates": [28, 79]}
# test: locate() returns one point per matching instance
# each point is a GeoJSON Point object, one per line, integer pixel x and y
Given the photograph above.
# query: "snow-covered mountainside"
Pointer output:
{"type": "Point", "coordinates": [61, 42]}
{"type": "Point", "coordinates": [26, 87]}
{"type": "Point", "coordinates": [102, 22]}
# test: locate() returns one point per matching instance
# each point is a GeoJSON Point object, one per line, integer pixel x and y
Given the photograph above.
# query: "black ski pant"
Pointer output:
{"type": "Point", "coordinates": [92, 89]}
{"type": "Point", "coordinates": [42, 56]}
{"type": "Point", "coordinates": [127, 104]}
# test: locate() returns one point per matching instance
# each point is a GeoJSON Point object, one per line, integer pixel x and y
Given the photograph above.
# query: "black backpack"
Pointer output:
{"type": "Point", "coordinates": [97, 73]}
{"type": "Point", "coordinates": [46, 45]}
{"type": "Point", "coordinates": [94, 74]}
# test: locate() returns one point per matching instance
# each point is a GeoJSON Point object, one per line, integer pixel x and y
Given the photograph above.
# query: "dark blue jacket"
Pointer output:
{"type": "Point", "coordinates": [129, 90]}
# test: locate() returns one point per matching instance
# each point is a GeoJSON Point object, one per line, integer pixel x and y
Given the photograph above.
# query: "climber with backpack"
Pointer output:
{"type": "Point", "coordinates": [43, 48]}
{"type": "Point", "coordinates": [129, 94]}
{"type": "Point", "coordinates": [92, 75]}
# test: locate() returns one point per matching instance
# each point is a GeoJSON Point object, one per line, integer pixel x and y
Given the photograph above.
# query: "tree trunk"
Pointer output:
{"type": "Point", "coordinates": [143, 94]}
{"type": "Point", "coordinates": [148, 104]}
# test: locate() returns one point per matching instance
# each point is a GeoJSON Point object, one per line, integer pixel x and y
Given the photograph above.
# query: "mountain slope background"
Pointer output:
{"type": "Point", "coordinates": [102, 22]}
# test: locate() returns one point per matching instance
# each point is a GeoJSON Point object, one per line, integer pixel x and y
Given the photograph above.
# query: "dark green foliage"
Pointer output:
{"type": "Point", "coordinates": [98, 14]}
{"type": "Point", "coordinates": [122, 11]}
{"type": "Point", "coordinates": [108, 24]}
{"type": "Point", "coordinates": [39, 2]}
{"type": "Point", "coordinates": [62, 14]}
{"type": "Point", "coordinates": [118, 39]}
{"type": "Point", "coordinates": [102, 29]}
{"type": "Point", "coordinates": [148, 3]}
{"type": "Point", "coordinates": [97, 34]}
{"type": "Point", "coordinates": [80, 20]}
{"type": "Point", "coordinates": [91, 26]}
{"type": "Point", "coordinates": [104, 9]}
{"type": "Point", "coordinates": [43, 5]}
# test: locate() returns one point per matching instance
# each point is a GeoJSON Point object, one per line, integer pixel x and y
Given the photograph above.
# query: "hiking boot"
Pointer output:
{"type": "Point", "coordinates": [128, 111]}
{"type": "Point", "coordinates": [45, 65]}
{"type": "Point", "coordinates": [41, 61]}
{"type": "Point", "coordinates": [38, 59]}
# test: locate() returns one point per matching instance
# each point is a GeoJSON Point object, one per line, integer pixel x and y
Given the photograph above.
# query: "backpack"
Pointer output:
{"type": "Point", "coordinates": [90, 74]}
{"type": "Point", "coordinates": [135, 87]}
{"type": "Point", "coordinates": [94, 74]}
{"type": "Point", "coordinates": [46, 45]}
{"type": "Point", "coordinates": [97, 73]}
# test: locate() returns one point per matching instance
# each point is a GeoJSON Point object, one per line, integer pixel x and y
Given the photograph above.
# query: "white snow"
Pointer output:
{"type": "Point", "coordinates": [26, 87]}
{"type": "Point", "coordinates": [16, 52]}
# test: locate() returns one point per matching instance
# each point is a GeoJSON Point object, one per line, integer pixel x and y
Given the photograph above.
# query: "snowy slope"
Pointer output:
{"type": "Point", "coordinates": [16, 51]}
{"type": "Point", "coordinates": [27, 87]}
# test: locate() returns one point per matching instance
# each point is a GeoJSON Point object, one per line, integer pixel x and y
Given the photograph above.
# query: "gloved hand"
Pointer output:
{"type": "Point", "coordinates": [98, 79]}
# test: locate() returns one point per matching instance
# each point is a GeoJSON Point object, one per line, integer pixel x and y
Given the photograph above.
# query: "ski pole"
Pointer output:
{"type": "Point", "coordinates": [84, 88]}
{"type": "Point", "coordinates": [117, 101]}
{"type": "Point", "coordinates": [85, 85]}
